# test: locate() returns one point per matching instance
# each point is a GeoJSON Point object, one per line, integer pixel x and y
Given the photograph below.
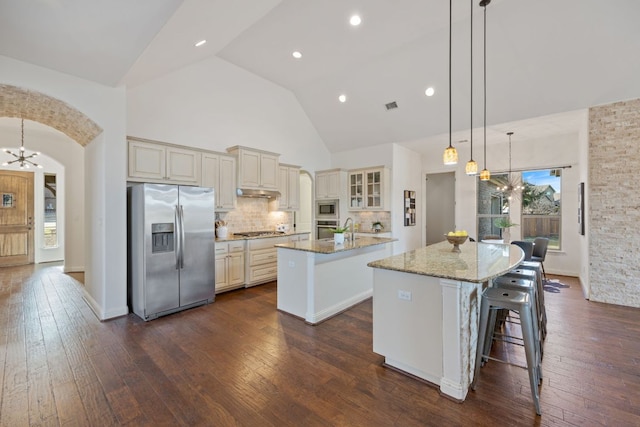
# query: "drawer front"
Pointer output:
{"type": "Point", "coordinates": [263, 256]}
{"type": "Point", "coordinates": [263, 272]}
{"type": "Point", "coordinates": [266, 242]}
{"type": "Point", "coordinates": [236, 246]}
{"type": "Point", "coordinates": [221, 248]}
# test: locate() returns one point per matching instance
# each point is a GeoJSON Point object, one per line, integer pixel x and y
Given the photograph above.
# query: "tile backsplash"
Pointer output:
{"type": "Point", "coordinates": [252, 214]}
{"type": "Point", "coordinates": [365, 219]}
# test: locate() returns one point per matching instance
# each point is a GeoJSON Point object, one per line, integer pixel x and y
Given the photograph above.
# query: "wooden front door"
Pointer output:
{"type": "Point", "coordinates": [16, 218]}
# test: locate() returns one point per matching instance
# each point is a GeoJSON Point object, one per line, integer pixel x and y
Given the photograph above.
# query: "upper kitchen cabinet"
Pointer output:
{"type": "Point", "coordinates": [156, 162]}
{"type": "Point", "coordinates": [368, 189]}
{"type": "Point", "coordinates": [289, 187]}
{"type": "Point", "coordinates": [219, 172]}
{"type": "Point", "coordinates": [330, 184]}
{"type": "Point", "coordinates": [256, 169]}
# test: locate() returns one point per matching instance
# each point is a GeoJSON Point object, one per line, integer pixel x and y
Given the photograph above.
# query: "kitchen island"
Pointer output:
{"type": "Point", "coordinates": [318, 279]}
{"type": "Point", "coordinates": [426, 305]}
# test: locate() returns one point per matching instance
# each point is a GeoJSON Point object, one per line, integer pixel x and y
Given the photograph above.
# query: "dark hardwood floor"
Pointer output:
{"type": "Point", "coordinates": [239, 362]}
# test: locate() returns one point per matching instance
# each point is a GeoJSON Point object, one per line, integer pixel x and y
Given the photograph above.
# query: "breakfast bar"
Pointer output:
{"type": "Point", "coordinates": [426, 305]}
{"type": "Point", "coordinates": [318, 279]}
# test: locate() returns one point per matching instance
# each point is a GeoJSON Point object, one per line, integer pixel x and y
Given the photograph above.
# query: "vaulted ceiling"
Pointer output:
{"type": "Point", "coordinates": [544, 57]}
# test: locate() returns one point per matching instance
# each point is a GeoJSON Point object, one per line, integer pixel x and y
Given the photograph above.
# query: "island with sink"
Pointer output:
{"type": "Point", "coordinates": [318, 279]}
{"type": "Point", "coordinates": [426, 305]}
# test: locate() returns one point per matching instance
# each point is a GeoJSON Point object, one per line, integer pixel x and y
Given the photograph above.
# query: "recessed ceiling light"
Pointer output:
{"type": "Point", "coordinates": [297, 54]}
{"type": "Point", "coordinates": [430, 91]}
{"type": "Point", "coordinates": [200, 43]}
{"type": "Point", "coordinates": [342, 98]}
{"type": "Point", "coordinates": [355, 20]}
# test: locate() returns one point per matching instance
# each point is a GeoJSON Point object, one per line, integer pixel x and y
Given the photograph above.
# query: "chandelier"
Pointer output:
{"type": "Point", "coordinates": [20, 158]}
{"type": "Point", "coordinates": [513, 186]}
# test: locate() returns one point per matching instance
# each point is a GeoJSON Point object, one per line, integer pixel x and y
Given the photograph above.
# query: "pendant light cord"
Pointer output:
{"type": "Point", "coordinates": [450, 23]}
{"type": "Point", "coordinates": [484, 4]}
{"type": "Point", "coordinates": [471, 74]}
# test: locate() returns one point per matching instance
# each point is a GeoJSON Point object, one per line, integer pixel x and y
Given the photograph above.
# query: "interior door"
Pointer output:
{"type": "Point", "coordinates": [440, 210]}
{"type": "Point", "coordinates": [16, 218]}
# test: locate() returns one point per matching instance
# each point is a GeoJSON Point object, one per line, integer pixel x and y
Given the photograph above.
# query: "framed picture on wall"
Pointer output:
{"type": "Point", "coordinates": [409, 208]}
{"type": "Point", "coordinates": [581, 208]}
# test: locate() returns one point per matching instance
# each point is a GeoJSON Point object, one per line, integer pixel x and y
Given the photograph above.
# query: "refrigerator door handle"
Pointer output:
{"type": "Point", "coordinates": [181, 237]}
{"type": "Point", "coordinates": [178, 248]}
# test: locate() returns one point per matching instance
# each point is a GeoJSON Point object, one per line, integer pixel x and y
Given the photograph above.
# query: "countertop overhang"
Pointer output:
{"type": "Point", "coordinates": [476, 263]}
{"type": "Point", "coordinates": [329, 247]}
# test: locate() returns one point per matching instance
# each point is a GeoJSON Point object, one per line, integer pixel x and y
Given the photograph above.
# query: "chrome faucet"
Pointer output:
{"type": "Point", "coordinates": [351, 230]}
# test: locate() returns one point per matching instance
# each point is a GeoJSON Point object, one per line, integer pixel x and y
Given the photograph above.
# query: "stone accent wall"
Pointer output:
{"type": "Point", "coordinates": [613, 218]}
{"type": "Point", "coordinates": [38, 107]}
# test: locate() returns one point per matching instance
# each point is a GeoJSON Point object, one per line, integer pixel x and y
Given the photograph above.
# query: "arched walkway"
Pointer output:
{"type": "Point", "coordinates": [36, 106]}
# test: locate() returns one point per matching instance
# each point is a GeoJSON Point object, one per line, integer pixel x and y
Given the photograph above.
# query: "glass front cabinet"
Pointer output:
{"type": "Point", "coordinates": [369, 189]}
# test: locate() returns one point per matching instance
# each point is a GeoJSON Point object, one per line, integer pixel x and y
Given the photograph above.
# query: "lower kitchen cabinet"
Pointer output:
{"type": "Point", "coordinates": [229, 265]}
{"type": "Point", "coordinates": [262, 258]}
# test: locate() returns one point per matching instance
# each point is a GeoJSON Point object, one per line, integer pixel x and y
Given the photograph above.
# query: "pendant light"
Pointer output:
{"type": "Point", "coordinates": [20, 158]}
{"type": "Point", "coordinates": [513, 186]}
{"type": "Point", "coordinates": [485, 175]}
{"type": "Point", "coordinates": [450, 156]}
{"type": "Point", "coordinates": [471, 168]}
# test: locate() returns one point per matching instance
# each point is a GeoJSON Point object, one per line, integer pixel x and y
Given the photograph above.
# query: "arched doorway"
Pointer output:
{"type": "Point", "coordinates": [66, 132]}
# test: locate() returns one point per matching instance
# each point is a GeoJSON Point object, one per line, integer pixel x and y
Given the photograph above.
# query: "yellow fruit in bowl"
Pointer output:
{"type": "Point", "coordinates": [451, 233]}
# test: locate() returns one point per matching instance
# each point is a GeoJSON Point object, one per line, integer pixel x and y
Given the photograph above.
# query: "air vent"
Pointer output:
{"type": "Point", "coordinates": [391, 105]}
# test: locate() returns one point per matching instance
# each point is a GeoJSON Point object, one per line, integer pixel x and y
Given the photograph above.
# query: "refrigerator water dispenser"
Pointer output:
{"type": "Point", "coordinates": [162, 237]}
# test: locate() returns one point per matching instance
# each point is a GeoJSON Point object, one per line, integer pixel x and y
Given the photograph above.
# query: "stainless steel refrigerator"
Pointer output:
{"type": "Point", "coordinates": [171, 243]}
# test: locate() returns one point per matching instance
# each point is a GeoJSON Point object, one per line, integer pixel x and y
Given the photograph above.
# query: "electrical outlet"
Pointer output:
{"type": "Point", "coordinates": [405, 295]}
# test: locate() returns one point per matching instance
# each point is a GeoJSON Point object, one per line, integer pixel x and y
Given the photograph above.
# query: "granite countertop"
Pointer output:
{"type": "Point", "coordinates": [477, 262]}
{"type": "Point", "coordinates": [327, 246]}
{"type": "Point", "coordinates": [232, 237]}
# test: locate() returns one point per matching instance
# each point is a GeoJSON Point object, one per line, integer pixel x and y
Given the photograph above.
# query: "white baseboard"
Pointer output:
{"type": "Point", "coordinates": [99, 312]}
{"type": "Point", "coordinates": [73, 269]}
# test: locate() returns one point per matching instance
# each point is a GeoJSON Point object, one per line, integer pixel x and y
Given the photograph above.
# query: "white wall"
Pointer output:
{"type": "Point", "coordinates": [215, 105]}
{"type": "Point", "coordinates": [105, 165]}
{"type": "Point", "coordinates": [405, 167]}
{"type": "Point", "coordinates": [583, 176]}
{"type": "Point", "coordinates": [65, 158]}
{"type": "Point", "coordinates": [553, 151]}
{"type": "Point", "coordinates": [406, 175]}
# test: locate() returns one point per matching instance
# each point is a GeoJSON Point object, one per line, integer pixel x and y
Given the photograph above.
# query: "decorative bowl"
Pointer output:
{"type": "Point", "coordinates": [456, 241]}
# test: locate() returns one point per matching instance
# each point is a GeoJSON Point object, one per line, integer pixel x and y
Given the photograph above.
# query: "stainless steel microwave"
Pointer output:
{"type": "Point", "coordinates": [327, 208]}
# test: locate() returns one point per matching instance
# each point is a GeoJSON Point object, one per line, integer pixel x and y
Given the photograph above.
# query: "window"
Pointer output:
{"type": "Point", "coordinates": [50, 212]}
{"type": "Point", "coordinates": [541, 205]}
{"type": "Point", "coordinates": [492, 205]}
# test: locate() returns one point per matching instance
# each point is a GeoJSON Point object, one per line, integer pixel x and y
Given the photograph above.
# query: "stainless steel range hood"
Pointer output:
{"type": "Point", "coordinates": [250, 192]}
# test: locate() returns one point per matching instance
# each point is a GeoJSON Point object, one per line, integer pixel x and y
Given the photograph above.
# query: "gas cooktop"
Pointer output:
{"type": "Point", "coordinates": [259, 233]}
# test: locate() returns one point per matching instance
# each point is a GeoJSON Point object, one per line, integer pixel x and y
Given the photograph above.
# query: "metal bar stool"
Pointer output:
{"type": "Point", "coordinates": [537, 267]}
{"type": "Point", "coordinates": [522, 285]}
{"type": "Point", "coordinates": [520, 302]}
{"type": "Point", "coordinates": [530, 274]}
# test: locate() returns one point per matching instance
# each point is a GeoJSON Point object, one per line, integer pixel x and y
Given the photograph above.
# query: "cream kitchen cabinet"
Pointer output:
{"type": "Point", "coordinates": [155, 162]}
{"type": "Point", "coordinates": [229, 265]}
{"type": "Point", "coordinates": [262, 258]}
{"type": "Point", "coordinates": [289, 186]}
{"type": "Point", "coordinates": [256, 169]}
{"type": "Point", "coordinates": [368, 189]}
{"type": "Point", "coordinates": [219, 172]}
{"type": "Point", "coordinates": [330, 184]}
